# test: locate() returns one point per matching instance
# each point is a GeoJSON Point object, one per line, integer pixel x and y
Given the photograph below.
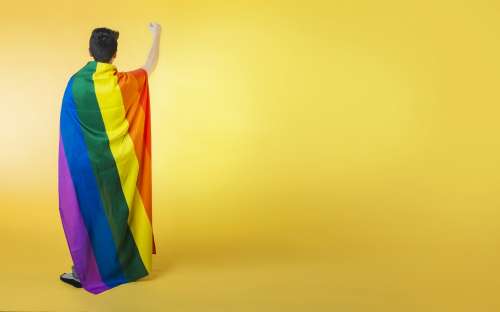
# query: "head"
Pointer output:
{"type": "Point", "coordinates": [103, 44]}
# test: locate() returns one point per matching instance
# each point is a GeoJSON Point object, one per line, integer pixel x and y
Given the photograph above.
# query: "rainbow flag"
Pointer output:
{"type": "Point", "coordinates": [104, 175]}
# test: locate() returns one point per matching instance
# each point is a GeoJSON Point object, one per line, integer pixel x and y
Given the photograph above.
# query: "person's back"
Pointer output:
{"type": "Point", "coordinates": [105, 168]}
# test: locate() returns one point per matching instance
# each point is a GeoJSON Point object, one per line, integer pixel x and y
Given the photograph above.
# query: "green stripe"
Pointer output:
{"type": "Point", "coordinates": [106, 172]}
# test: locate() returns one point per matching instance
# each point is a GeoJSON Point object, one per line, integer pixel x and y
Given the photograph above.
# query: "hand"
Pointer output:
{"type": "Point", "coordinates": [154, 28]}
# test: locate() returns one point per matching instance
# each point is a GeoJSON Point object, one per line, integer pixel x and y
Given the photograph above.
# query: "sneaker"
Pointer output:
{"type": "Point", "coordinates": [70, 279]}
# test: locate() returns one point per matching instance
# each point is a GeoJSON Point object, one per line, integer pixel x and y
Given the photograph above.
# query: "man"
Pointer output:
{"type": "Point", "coordinates": [104, 168]}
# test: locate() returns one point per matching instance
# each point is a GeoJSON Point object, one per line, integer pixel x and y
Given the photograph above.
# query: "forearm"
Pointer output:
{"type": "Point", "coordinates": [154, 51]}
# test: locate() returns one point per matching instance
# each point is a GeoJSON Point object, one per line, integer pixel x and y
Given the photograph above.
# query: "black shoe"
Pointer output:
{"type": "Point", "coordinates": [70, 279]}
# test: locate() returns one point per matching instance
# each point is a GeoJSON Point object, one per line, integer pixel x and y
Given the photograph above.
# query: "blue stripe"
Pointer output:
{"type": "Point", "coordinates": [87, 192]}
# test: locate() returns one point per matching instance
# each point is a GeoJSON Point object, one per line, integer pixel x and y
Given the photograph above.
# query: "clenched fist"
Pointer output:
{"type": "Point", "coordinates": [154, 28]}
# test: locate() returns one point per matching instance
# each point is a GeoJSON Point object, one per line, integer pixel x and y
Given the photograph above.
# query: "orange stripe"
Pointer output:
{"type": "Point", "coordinates": [138, 115]}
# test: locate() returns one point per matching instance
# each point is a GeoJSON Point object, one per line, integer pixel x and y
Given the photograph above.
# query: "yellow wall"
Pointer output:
{"type": "Point", "coordinates": [298, 128]}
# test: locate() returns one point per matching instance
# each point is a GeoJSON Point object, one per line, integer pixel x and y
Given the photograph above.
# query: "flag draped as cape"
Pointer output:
{"type": "Point", "coordinates": [104, 175]}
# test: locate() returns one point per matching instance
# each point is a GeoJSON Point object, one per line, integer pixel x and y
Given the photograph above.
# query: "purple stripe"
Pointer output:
{"type": "Point", "coordinates": [74, 228]}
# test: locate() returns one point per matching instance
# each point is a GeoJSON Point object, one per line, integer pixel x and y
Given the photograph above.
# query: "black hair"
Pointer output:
{"type": "Point", "coordinates": [103, 44]}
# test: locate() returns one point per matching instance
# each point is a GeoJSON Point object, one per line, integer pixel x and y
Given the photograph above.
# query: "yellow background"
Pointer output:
{"type": "Point", "coordinates": [307, 155]}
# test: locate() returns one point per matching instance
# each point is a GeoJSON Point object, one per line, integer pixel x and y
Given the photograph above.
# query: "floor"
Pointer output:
{"type": "Point", "coordinates": [272, 278]}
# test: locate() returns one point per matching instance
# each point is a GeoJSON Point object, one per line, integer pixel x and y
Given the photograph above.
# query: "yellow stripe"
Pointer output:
{"type": "Point", "coordinates": [110, 102]}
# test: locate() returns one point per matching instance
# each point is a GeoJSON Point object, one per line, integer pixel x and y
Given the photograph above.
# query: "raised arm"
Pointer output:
{"type": "Point", "coordinates": [152, 59]}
